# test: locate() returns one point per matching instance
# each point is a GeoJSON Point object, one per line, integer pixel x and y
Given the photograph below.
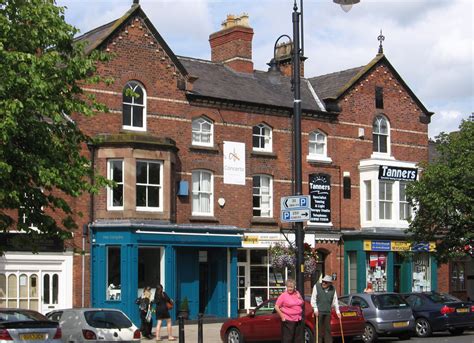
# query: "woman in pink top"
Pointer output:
{"type": "Point", "coordinates": [289, 308]}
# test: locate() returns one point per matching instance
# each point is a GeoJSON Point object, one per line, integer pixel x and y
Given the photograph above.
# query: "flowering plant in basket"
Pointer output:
{"type": "Point", "coordinates": [282, 256]}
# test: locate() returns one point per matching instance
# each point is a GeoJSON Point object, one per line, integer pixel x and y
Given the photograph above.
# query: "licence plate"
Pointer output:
{"type": "Point", "coordinates": [32, 336]}
{"type": "Point", "coordinates": [400, 324]}
{"type": "Point", "coordinates": [349, 314]}
{"type": "Point", "coordinates": [462, 310]}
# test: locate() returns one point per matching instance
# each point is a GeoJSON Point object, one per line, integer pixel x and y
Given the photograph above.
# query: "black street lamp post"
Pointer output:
{"type": "Point", "coordinates": [297, 54]}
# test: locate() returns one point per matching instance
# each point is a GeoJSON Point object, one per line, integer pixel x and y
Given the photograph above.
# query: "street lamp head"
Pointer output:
{"type": "Point", "coordinates": [346, 5]}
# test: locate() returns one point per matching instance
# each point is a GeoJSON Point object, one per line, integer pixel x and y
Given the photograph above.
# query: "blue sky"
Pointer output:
{"type": "Point", "coordinates": [429, 42]}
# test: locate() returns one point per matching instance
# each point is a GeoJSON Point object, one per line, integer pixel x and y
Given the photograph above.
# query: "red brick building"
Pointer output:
{"type": "Point", "coordinates": [201, 152]}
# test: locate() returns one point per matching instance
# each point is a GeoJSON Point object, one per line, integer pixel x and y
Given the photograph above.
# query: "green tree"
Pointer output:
{"type": "Point", "coordinates": [41, 73]}
{"type": "Point", "coordinates": [444, 195]}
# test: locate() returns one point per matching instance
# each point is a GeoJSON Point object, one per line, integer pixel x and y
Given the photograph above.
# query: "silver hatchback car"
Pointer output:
{"type": "Point", "coordinates": [386, 314]}
{"type": "Point", "coordinates": [95, 325]}
{"type": "Point", "coordinates": [20, 325]}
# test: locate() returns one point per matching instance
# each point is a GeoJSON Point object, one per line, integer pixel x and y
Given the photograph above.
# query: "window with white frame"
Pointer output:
{"type": "Point", "coordinates": [318, 146]}
{"type": "Point", "coordinates": [262, 138]}
{"type": "Point", "coordinates": [383, 203]}
{"type": "Point", "coordinates": [380, 135]}
{"type": "Point", "coordinates": [203, 132]}
{"type": "Point", "coordinates": [262, 196]}
{"type": "Point", "coordinates": [19, 290]}
{"type": "Point", "coordinates": [405, 208]}
{"type": "Point", "coordinates": [368, 200]}
{"type": "Point", "coordinates": [385, 200]}
{"type": "Point", "coordinates": [134, 106]}
{"type": "Point", "coordinates": [202, 193]}
{"type": "Point", "coordinates": [149, 188]}
{"type": "Point", "coordinates": [115, 194]}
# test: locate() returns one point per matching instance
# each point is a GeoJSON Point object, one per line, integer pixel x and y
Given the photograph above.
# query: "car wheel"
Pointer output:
{"type": "Point", "coordinates": [456, 332]}
{"type": "Point", "coordinates": [422, 328]}
{"type": "Point", "coordinates": [233, 335]}
{"type": "Point", "coordinates": [308, 335]}
{"type": "Point", "coordinates": [370, 335]}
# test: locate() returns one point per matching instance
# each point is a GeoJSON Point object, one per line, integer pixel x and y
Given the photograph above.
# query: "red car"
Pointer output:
{"type": "Point", "coordinates": [264, 324]}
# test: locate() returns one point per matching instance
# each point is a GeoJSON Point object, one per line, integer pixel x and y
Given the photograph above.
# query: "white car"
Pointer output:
{"type": "Point", "coordinates": [95, 325]}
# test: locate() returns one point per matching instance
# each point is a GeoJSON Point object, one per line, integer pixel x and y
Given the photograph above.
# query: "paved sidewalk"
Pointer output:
{"type": "Point", "coordinates": [210, 333]}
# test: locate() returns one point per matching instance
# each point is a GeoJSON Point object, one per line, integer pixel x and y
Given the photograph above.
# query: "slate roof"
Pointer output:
{"type": "Point", "coordinates": [329, 85]}
{"type": "Point", "coordinates": [216, 80]}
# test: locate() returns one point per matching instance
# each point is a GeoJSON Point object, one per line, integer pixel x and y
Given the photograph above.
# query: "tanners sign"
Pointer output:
{"type": "Point", "coordinates": [397, 173]}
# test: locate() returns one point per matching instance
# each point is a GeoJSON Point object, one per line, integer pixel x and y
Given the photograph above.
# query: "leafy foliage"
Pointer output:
{"type": "Point", "coordinates": [41, 72]}
{"type": "Point", "coordinates": [282, 256]}
{"type": "Point", "coordinates": [443, 197]}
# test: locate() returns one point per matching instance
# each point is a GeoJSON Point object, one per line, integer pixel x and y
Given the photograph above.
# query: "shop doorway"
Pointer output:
{"type": "Point", "coordinates": [396, 278]}
{"type": "Point", "coordinates": [203, 286]}
{"type": "Point", "coordinates": [320, 268]}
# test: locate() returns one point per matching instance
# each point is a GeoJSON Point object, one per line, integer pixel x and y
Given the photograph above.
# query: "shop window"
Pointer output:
{"type": "Point", "coordinates": [19, 291]}
{"type": "Point", "coordinates": [380, 135]}
{"type": "Point", "coordinates": [241, 255]}
{"type": "Point", "coordinates": [202, 193]}
{"type": "Point", "coordinates": [23, 287]}
{"type": "Point", "coordinates": [3, 290]}
{"type": "Point", "coordinates": [202, 132]}
{"type": "Point", "coordinates": [377, 270]}
{"type": "Point", "coordinates": [113, 273]}
{"type": "Point", "coordinates": [134, 106]}
{"type": "Point", "coordinates": [421, 273]}
{"type": "Point", "coordinates": [458, 277]}
{"type": "Point", "coordinates": [12, 291]}
{"type": "Point", "coordinates": [405, 208]}
{"type": "Point", "coordinates": [262, 196]}
{"type": "Point", "coordinates": [385, 200]}
{"type": "Point", "coordinates": [262, 138]}
{"type": "Point", "coordinates": [115, 194]}
{"type": "Point", "coordinates": [352, 277]}
{"type": "Point", "coordinates": [149, 185]}
{"type": "Point", "coordinates": [149, 267]}
{"type": "Point", "coordinates": [33, 292]}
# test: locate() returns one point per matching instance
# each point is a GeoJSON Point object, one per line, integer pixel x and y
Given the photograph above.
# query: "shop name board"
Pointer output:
{"type": "Point", "coordinates": [397, 173]}
{"type": "Point", "coordinates": [387, 245]}
{"type": "Point", "coordinates": [320, 198]}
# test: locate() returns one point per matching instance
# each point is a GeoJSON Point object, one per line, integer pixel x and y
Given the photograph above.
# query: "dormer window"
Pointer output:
{"type": "Point", "coordinates": [203, 132]}
{"type": "Point", "coordinates": [380, 135]}
{"type": "Point", "coordinates": [262, 138]}
{"type": "Point", "coordinates": [134, 106]}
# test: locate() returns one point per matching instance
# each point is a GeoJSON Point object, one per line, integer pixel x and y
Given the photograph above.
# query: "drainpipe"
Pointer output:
{"type": "Point", "coordinates": [85, 227]}
{"type": "Point", "coordinates": [84, 234]}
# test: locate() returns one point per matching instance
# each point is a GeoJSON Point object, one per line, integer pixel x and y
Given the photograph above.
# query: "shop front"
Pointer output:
{"type": "Point", "coordinates": [257, 279]}
{"type": "Point", "coordinates": [193, 262]}
{"type": "Point", "coordinates": [388, 264]}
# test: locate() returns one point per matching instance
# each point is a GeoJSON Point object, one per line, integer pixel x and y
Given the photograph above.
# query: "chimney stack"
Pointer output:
{"type": "Point", "coordinates": [283, 59]}
{"type": "Point", "coordinates": [232, 45]}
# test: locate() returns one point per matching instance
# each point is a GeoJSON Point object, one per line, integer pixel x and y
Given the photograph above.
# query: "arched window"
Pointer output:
{"type": "Point", "coordinates": [134, 106]}
{"type": "Point", "coordinates": [262, 138]}
{"type": "Point", "coordinates": [203, 132]}
{"type": "Point", "coordinates": [380, 135]}
{"type": "Point", "coordinates": [318, 147]}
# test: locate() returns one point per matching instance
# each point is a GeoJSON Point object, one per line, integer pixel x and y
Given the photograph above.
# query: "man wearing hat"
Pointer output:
{"type": "Point", "coordinates": [324, 297]}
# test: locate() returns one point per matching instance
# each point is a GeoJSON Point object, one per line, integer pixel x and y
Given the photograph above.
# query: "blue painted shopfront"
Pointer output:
{"type": "Point", "coordinates": [211, 287]}
{"type": "Point", "coordinates": [399, 266]}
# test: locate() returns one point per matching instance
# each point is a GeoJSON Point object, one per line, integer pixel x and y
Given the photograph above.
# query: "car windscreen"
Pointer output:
{"type": "Point", "coordinates": [107, 319]}
{"type": "Point", "coordinates": [441, 298]}
{"type": "Point", "coordinates": [388, 301]}
{"type": "Point", "coordinates": [20, 316]}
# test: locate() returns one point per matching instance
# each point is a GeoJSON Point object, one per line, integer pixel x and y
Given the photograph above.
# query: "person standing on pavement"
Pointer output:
{"type": "Point", "coordinates": [161, 299]}
{"type": "Point", "coordinates": [323, 299]}
{"type": "Point", "coordinates": [144, 305]}
{"type": "Point", "coordinates": [289, 308]}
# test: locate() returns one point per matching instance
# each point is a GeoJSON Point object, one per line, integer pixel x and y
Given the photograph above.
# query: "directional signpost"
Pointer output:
{"type": "Point", "coordinates": [295, 208]}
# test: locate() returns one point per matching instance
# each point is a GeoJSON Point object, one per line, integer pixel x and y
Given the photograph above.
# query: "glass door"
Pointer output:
{"type": "Point", "coordinates": [50, 290]}
{"type": "Point", "coordinates": [243, 284]}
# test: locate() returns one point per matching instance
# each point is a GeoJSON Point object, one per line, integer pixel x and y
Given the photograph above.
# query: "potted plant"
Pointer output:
{"type": "Point", "coordinates": [184, 308]}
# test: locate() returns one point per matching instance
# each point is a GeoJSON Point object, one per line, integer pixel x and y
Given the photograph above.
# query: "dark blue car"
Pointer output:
{"type": "Point", "coordinates": [440, 312]}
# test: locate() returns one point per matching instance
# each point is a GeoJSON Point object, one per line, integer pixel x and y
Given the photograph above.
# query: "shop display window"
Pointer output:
{"type": "Point", "coordinates": [421, 273]}
{"type": "Point", "coordinates": [377, 270]}
{"type": "Point", "coordinates": [113, 273]}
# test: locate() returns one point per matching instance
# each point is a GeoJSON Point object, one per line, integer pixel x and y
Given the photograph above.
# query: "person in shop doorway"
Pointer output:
{"type": "Point", "coordinates": [144, 305]}
{"type": "Point", "coordinates": [162, 313]}
{"type": "Point", "coordinates": [289, 308]}
{"type": "Point", "coordinates": [323, 299]}
{"type": "Point", "coordinates": [369, 288]}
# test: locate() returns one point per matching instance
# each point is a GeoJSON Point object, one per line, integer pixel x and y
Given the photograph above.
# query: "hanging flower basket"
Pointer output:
{"type": "Point", "coordinates": [282, 256]}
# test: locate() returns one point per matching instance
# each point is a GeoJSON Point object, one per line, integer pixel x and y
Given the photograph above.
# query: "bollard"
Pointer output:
{"type": "Point", "coordinates": [181, 329]}
{"type": "Point", "coordinates": [200, 338]}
